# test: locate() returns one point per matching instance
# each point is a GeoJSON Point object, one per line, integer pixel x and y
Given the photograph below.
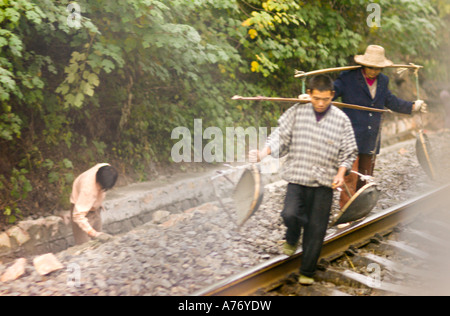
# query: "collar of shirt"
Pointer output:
{"type": "Point", "coordinates": [320, 116]}
{"type": "Point", "coordinates": [369, 81]}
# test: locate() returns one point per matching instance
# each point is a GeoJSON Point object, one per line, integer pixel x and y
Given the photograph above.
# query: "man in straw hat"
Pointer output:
{"type": "Point", "coordinates": [367, 86]}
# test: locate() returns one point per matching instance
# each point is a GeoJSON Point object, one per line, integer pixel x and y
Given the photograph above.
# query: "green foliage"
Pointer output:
{"type": "Point", "coordinates": [114, 87]}
{"type": "Point", "coordinates": [19, 187]}
{"type": "Point", "coordinates": [61, 175]}
{"type": "Point", "coordinates": [9, 125]}
{"type": "Point", "coordinates": [283, 35]}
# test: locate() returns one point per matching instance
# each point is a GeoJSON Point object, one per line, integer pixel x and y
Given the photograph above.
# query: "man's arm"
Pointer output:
{"type": "Point", "coordinates": [338, 87]}
{"type": "Point", "coordinates": [279, 141]}
{"type": "Point", "coordinates": [79, 218]}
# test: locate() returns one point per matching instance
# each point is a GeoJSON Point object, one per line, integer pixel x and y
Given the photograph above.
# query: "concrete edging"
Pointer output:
{"type": "Point", "coordinates": [125, 208]}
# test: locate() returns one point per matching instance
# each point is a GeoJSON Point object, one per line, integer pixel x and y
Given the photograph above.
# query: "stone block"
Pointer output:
{"type": "Point", "coordinates": [47, 263]}
{"type": "Point", "coordinates": [160, 216]}
{"type": "Point", "coordinates": [18, 234]}
{"type": "Point", "coordinates": [53, 225]}
{"type": "Point", "coordinates": [5, 243]}
{"type": "Point", "coordinates": [15, 271]}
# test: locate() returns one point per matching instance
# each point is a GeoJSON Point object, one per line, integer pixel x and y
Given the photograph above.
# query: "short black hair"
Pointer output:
{"type": "Point", "coordinates": [106, 176]}
{"type": "Point", "coordinates": [321, 83]}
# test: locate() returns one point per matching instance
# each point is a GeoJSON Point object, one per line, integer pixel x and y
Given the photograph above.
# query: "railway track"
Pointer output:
{"type": "Point", "coordinates": [350, 259]}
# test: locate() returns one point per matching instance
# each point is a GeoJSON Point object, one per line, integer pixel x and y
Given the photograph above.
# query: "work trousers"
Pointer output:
{"type": "Point", "coordinates": [364, 164]}
{"type": "Point", "coordinates": [308, 208]}
{"type": "Point", "coordinates": [95, 220]}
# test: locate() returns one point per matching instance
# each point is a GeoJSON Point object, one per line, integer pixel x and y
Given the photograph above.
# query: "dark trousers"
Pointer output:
{"type": "Point", "coordinates": [308, 208]}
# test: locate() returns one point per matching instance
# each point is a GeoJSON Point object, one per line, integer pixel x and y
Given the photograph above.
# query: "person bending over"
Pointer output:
{"type": "Point", "coordinates": [88, 192]}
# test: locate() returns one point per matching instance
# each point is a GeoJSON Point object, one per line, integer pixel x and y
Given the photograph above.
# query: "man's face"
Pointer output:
{"type": "Point", "coordinates": [372, 72]}
{"type": "Point", "coordinates": [321, 100]}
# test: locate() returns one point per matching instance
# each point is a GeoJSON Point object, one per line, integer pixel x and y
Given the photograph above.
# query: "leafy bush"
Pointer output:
{"type": "Point", "coordinates": [95, 81]}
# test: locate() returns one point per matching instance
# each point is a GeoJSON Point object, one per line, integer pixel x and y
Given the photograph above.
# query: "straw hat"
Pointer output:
{"type": "Point", "coordinates": [373, 57]}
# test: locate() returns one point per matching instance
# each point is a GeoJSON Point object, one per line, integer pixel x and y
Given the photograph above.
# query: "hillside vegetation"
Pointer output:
{"type": "Point", "coordinates": [107, 81]}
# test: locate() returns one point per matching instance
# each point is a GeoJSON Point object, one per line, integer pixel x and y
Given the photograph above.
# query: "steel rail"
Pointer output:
{"type": "Point", "coordinates": [357, 234]}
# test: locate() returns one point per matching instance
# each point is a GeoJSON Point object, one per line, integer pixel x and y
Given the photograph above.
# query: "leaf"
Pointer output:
{"type": "Point", "coordinates": [48, 163]}
{"type": "Point", "coordinates": [72, 77]}
{"type": "Point", "coordinates": [107, 65]}
{"type": "Point", "coordinates": [33, 17]}
{"type": "Point", "coordinates": [53, 177]}
{"type": "Point", "coordinates": [88, 89]}
{"type": "Point", "coordinates": [93, 79]}
{"type": "Point", "coordinates": [67, 163]}
{"type": "Point", "coordinates": [78, 100]}
{"type": "Point", "coordinates": [26, 188]}
{"type": "Point", "coordinates": [63, 89]}
{"type": "Point", "coordinates": [69, 99]}
{"type": "Point", "coordinates": [16, 45]}
{"type": "Point", "coordinates": [7, 211]}
{"type": "Point", "coordinates": [12, 14]}
{"type": "Point", "coordinates": [3, 41]}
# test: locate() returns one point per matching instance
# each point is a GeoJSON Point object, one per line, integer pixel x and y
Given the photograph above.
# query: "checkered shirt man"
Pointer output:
{"type": "Point", "coordinates": [315, 149]}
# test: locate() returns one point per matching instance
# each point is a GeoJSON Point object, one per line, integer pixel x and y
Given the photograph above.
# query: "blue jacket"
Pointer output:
{"type": "Point", "coordinates": [352, 87]}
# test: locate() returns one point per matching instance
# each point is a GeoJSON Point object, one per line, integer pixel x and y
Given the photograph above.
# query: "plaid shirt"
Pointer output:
{"type": "Point", "coordinates": [315, 150]}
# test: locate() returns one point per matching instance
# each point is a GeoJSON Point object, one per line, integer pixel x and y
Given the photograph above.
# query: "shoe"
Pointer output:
{"type": "Point", "coordinates": [289, 249]}
{"type": "Point", "coordinates": [304, 280]}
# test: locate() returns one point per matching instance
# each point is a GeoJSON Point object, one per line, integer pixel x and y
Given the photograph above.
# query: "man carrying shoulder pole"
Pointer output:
{"type": "Point", "coordinates": [368, 87]}
{"type": "Point", "coordinates": [319, 142]}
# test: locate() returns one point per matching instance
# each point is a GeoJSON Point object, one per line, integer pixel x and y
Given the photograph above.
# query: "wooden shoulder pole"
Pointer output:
{"type": "Point", "coordinates": [301, 74]}
{"type": "Point", "coordinates": [295, 100]}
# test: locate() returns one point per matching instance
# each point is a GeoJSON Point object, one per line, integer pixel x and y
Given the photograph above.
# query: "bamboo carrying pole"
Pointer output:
{"type": "Point", "coordinates": [300, 74]}
{"type": "Point", "coordinates": [295, 100]}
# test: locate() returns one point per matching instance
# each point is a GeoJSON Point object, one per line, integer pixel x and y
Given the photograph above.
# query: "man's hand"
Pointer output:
{"type": "Point", "coordinates": [338, 180]}
{"type": "Point", "coordinates": [421, 106]}
{"type": "Point", "coordinates": [304, 97]}
{"type": "Point", "coordinates": [256, 155]}
{"type": "Point", "coordinates": [253, 156]}
{"type": "Point", "coordinates": [103, 237]}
